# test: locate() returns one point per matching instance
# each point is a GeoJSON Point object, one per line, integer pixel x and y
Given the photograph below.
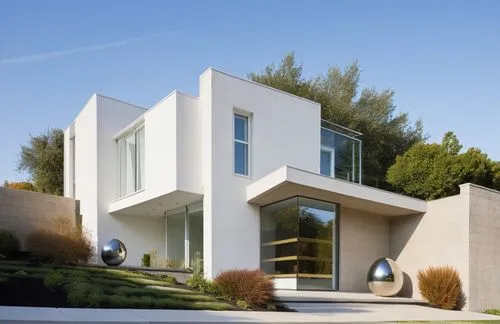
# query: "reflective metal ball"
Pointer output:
{"type": "Point", "coordinates": [385, 278]}
{"type": "Point", "coordinates": [114, 252]}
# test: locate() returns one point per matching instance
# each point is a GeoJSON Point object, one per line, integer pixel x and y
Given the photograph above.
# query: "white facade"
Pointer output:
{"type": "Point", "coordinates": [173, 187]}
{"type": "Point", "coordinates": [189, 158]}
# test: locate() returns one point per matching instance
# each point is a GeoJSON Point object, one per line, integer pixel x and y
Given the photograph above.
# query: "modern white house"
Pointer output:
{"type": "Point", "coordinates": [248, 176]}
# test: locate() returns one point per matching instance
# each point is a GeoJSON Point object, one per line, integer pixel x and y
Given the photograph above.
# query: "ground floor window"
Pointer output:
{"type": "Point", "coordinates": [184, 235]}
{"type": "Point", "coordinates": [298, 243]}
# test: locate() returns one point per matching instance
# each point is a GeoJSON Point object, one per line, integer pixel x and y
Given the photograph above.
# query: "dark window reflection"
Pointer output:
{"type": "Point", "coordinates": [297, 240]}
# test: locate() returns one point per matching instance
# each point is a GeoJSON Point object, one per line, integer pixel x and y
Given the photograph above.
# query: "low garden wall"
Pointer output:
{"type": "Point", "coordinates": [24, 211]}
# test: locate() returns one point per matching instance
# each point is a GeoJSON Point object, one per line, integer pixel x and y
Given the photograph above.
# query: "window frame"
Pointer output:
{"type": "Point", "coordinates": [137, 188]}
{"type": "Point", "coordinates": [331, 151]}
{"type": "Point", "coordinates": [246, 117]}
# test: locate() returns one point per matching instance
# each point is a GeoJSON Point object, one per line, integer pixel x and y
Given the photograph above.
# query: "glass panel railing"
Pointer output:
{"type": "Point", "coordinates": [340, 152]}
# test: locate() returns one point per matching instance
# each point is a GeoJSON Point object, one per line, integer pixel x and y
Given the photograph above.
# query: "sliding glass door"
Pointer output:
{"type": "Point", "coordinates": [184, 235]}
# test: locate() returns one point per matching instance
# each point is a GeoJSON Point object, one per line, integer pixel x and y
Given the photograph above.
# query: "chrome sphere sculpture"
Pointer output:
{"type": "Point", "coordinates": [114, 252]}
{"type": "Point", "coordinates": [385, 278]}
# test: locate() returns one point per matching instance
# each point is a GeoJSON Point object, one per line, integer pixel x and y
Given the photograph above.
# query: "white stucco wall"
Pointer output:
{"type": "Point", "coordinates": [364, 237]}
{"type": "Point", "coordinates": [139, 233]}
{"type": "Point", "coordinates": [161, 145]}
{"type": "Point", "coordinates": [69, 132]}
{"type": "Point", "coordinates": [189, 157]}
{"type": "Point", "coordinates": [284, 129]}
{"type": "Point", "coordinates": [86, 165]}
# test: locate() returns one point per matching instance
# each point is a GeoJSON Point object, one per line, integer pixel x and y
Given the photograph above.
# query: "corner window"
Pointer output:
{"type": "Point", "coordinates": [131, 151]}
{"type": "Point", "coordinates": [241, 145]}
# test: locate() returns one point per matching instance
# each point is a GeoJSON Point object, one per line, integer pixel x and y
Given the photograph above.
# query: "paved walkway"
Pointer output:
{"type": "Point", "coordinates": [341, 297]}
{"type": "Point", "coordinates": [308, 313]}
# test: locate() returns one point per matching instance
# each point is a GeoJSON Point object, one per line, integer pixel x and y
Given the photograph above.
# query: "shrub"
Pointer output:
{"type": "Point", "coordinates": [196, 281]}
{"type": "Point", "coordinates": [242, 304]}
{"type": "Point", "coordinates": [146, 260]}
{"type": "Point", "coordinates": [54, 279]}
{"type": "Point", "coordinates": [492, 311]}
{"type": "Point", "coordinates": [271, 307]}
{"type": "Point", "coordinates": [209, 287]}
{"type": "Point", "coordinates": [9, 243]}
{"type": "Point", "coordinates": [206, 286]}
{"type": "Point", "coordinates": [20, 273]}
{"type": "Point", "coordinates": [197, 263]}
{"type": "Point", "coordinates": [61, 243]}
{"type": "Point", "coordinates": [441, 287]}
{"type": "Point", "coordinates": [169, 279]}
{"type": "Point", "coordinates": [251, 286]}
{"type": "Point", "coordinates": [84, 294]}
{"type": "Point", "coordinates": [173, 264]}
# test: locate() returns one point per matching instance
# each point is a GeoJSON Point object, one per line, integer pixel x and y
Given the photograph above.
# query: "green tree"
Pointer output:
{"type": "Point", "coordinates": [431, 171]}
{"type": "Point", "coordinates": [386, 134]}
{"type": "Point", "coordinates": [19, 185]}
{"type": "Point", "coordinates": [43, 160]}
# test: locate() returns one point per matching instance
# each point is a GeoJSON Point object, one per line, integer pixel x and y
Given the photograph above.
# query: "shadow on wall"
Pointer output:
{"type": "Point", "coordinates": [407, 290]}
{"type": "Point", "coordinates": [401, 230]}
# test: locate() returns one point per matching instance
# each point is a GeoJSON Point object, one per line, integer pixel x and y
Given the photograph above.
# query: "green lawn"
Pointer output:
{"type": "Point", "coordinates": [66, 286]}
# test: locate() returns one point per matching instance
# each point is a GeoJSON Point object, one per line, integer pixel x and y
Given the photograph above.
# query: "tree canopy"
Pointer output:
{"type": "Point", "coordinates": [386, 134]}
{"type": "Point", "coordinates": [43, 160]}
{"type": "Point", "coordinates": [431, 171]}
{"type": "Point", "coordinates": [24, 185]}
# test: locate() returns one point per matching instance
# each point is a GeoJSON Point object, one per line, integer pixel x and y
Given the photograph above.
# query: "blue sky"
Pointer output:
{"type": "Point", "coordinates": [442, 58]}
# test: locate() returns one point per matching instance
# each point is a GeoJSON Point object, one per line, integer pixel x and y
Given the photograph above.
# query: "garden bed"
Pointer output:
{"type": "Point", "coordinates": [68, 286]}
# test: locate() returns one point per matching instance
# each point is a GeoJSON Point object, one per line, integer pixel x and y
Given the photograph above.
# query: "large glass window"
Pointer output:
{"type": "Point", "coordinates": [195, 220]}
{"type": "Point", "coordinates": [298, 241]}
{"type": "Point", "coordinates": [131, 163]}
{"type": "Point", "coordinates": [184, 236]}
{"type": "Point", "coordinates": [176, 238]}
{"type": "Point", "coordinates": [241, 145]}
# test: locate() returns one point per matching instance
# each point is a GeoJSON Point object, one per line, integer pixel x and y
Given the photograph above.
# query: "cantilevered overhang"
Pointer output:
{"type": "Point", "coordinates": [143, 203]}
{"type": "Point", "coordinates": [287, 182]}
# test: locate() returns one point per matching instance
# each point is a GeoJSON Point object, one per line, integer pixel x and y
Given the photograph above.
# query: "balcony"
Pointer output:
{"type": "Point", "coordinates": [340, 155]}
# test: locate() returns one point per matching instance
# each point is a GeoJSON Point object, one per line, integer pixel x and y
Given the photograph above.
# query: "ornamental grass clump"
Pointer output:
{"type": "Point", "coordinates": [61, 243]}
{"type": "Point", "coordinates": [250, 286]}
{"type": "Point", "coordinates": [441, 287]}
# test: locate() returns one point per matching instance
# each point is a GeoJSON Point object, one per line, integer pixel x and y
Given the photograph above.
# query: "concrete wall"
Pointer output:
{"type": "Point", "coordinates": [437, 238]}
{"type": "Point", "coordinates": [484, 247]}
{"type": "Point", "coordinates": [284, 129]}
{"type": "Point", "coordinates": [24, 211]}
{"type": "Point", "coordinates": [364, 237]}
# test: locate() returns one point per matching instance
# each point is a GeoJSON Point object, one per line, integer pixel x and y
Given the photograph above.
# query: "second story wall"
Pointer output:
{"type": "Point", "coordinates": [189, 150]}
{"type": "Point", "coordinates": [282, 130]}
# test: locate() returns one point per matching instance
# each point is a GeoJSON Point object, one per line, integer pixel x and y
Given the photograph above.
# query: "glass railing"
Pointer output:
{"type": "Point", "coordinates": [340, 152]}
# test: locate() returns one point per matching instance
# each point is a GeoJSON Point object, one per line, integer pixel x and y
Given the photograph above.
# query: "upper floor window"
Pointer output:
{"type": "Point", "coordinates": [131, 151]}
{"type": "Point", "coordinates": [241, 144]}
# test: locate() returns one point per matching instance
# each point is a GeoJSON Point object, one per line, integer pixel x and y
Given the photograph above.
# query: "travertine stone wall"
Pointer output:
{"type": "Point", "coordinates": [484, 247]}
{"type": "Point", "coordinates": [364, 237]}
{"type": "Point", "coordinates": [23, 211]}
